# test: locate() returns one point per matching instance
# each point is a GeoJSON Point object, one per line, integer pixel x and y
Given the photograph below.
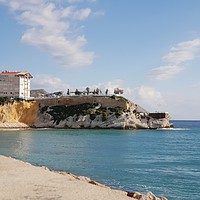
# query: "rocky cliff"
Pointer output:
{"type": "Point", "coordinates": [81, 112]}
{"type": "Point", "coordinates": [17, 114]}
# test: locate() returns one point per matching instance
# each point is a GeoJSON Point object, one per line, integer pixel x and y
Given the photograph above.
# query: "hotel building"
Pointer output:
{"type": "Point", "coordinates": [15, 84]}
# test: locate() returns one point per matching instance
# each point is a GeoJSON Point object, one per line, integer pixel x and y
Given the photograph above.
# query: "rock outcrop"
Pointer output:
{"type": "Point", "coordinates": [18, 114]}
{"type": "Point", "coordinates": [148, 196]}
{"type": "Point", "coordinates": [82, 112]}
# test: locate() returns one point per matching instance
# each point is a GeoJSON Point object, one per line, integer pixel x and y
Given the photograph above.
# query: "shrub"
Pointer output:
{"type": "Point", "coordinates": [104, 116]}
{"type": "Point", "coordinates": [62, 112]}
{"type": "Point", "coordinates": [43, 109]}
{"type": "Point", "coordinates": [113, 97]}
{"type": "Point", "coordinates": [4, 100]}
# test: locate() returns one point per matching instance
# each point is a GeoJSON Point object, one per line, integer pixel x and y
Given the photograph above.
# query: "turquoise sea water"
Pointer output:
{"type": "Point", "coordinates": [166, 162]}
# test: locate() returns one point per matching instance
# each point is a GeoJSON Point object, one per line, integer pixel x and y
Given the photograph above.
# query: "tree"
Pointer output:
{"type": "Point", "coordinates": [77, 92]}
{"type": "Point", "coordinates": [87, 90]}
{"type": "Point", "coordinates": [97, 91]}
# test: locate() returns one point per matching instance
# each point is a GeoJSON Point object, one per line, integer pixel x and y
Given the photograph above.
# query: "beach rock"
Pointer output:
{"type": "Point", "coordinates": [98, 184]}
{"type": "Point", "coordinates": [148, 196]}
{"type": "Point", "coordinates": [151, 196]}
{"type": "Point", "coordinates": [135, 195]}
{"type": "Point", "coordinates": [84, 178]}
{"type": "Point", "coordinates": [88, 180]}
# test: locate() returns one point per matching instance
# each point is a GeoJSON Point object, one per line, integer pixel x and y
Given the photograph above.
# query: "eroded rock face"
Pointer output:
{"type": "Point", "coordinates": [92, 115]}
{"type": "Point", "coordinates": [22, 111]}
{"type": "Point", "coordinates": [116, 113]}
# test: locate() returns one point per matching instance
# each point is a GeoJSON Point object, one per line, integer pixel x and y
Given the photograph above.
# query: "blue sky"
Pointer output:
{"type": "Point", "coordinates": [151, 49]}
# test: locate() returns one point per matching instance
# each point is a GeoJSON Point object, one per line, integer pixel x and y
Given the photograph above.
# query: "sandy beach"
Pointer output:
{"type": "Point", "coordinates": [20, 180]}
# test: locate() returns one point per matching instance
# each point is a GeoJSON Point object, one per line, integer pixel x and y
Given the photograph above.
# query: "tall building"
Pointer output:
{"type": "Point", "coordinates": [15, 84]}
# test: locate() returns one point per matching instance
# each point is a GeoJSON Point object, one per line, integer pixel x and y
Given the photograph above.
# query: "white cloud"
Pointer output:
{"type": "Point", "coordinates": [165, 72]}
{"type": "Point", "coordinates": [182, 52]}
{"type": "Point", "coordinates": [49, 83]}
{"type": "Point", "coordinates": [179, 54]}
{"type": "Point", "coordinates": [50, 29]}
{"type": "Point", "coordinates": [148, 97]}
{"type": "Point", "coordinates": [82, 14]}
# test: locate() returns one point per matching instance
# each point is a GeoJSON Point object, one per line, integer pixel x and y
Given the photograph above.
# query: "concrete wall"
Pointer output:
{"type": "Point", "coordinates": [105, 101]}
{"type": "Point", "coordinates": [159, 115]}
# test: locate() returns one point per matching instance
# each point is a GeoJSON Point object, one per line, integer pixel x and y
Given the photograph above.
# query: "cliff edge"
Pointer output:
{"type": "Point", "coordinates": [81, 112]}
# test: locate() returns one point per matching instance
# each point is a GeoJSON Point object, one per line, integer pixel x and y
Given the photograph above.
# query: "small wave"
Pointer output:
{"type": "Point", "coordinates": [174, 129]}
{"type": "Point", "coordinates": [12, 129]}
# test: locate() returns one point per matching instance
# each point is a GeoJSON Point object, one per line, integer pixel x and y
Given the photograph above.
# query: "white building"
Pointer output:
{"type": "Point", "coordinates": [15, 84]}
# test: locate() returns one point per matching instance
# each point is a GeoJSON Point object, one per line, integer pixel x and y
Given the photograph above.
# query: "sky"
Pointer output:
{"type": "Point", "coordinates": [150, 49]}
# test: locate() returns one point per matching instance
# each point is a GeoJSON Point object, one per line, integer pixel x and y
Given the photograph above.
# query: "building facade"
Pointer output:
{"type": "Point", "coordinates": [15, 84]}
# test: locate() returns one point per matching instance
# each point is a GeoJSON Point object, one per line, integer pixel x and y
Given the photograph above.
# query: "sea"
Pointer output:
{"type": "Point", "coordinates": [164, 161]}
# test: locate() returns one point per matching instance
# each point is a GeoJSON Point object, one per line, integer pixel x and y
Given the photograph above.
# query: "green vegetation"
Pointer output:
{"type": "Point", "coordinates": [43, 109]}
{"type": "Point", "coordinates": [4, 100]}
{"type": "Point", "coordinates": [102, 111]}
{"type": "Point", "coordinates": [62, 112]}
{"type": "Point", "coordinates": [104, 116]}
{"type": "Point", "coordinates": [117, 110]}
{"type": "Point", "coordinates": [113, 97]}
{"type": "Point", "coordinates": [18, 99]}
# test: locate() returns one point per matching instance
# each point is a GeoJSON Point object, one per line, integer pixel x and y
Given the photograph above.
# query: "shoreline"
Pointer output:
{"type": "Point", "coordinates": [13, 125]}
{"type": "Point", "coordinates": [22, 180]}
{"type": "Point", "coordinates": [23, 126]}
